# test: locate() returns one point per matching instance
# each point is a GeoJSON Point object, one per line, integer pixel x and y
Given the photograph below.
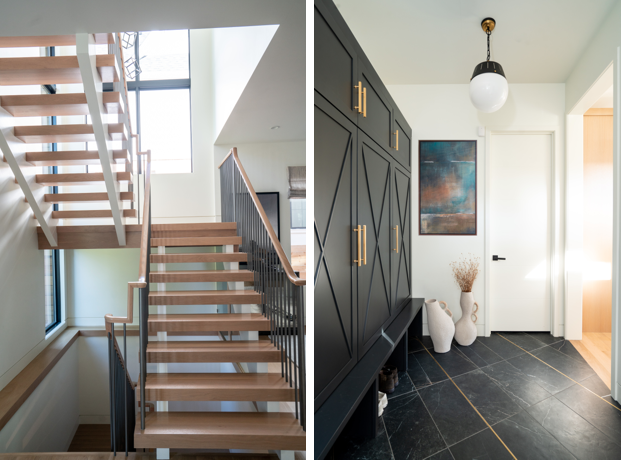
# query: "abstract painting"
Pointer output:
{"type": "Point", "coordinates": [448, 187]}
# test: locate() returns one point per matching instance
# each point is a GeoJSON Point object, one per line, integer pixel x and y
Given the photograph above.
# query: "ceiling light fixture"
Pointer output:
{"type": "Point", "coordinates": [275, 127]}
{"type": "Point", "coordinates": [488, 86]}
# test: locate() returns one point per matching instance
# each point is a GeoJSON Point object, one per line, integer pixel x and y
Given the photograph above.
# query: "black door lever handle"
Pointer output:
{"type": "Point", "coordinates": [496, 258]}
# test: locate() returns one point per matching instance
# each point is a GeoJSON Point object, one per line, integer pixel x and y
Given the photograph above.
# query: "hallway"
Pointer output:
{"type": "Point", "coordinates": [509, 396]}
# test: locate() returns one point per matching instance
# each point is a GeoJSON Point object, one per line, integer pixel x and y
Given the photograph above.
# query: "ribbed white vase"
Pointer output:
{"type": "Point", "coordinates": [465, 328]}
{"type": "Point", "coordinates": [441, 326]}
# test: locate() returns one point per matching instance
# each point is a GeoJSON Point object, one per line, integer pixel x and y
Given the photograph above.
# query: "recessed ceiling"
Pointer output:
{"type": "Point", "coordinates": [441, 41]}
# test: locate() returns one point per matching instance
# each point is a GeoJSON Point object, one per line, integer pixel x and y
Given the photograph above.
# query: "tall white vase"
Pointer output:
{"type": "Point", "coordinates": [441, 326]}
{"type": "Point", "coordinates": [465, 328]}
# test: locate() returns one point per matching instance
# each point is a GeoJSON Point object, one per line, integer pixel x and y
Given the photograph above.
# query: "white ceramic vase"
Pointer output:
{"type": "Point", "coordinates": [465, 328]}
{"type": "Point", "coordinates": [441, 326]}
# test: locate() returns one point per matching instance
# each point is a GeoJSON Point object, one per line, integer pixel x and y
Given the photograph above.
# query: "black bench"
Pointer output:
{"type": "Point", "coordinates": [357, 393]}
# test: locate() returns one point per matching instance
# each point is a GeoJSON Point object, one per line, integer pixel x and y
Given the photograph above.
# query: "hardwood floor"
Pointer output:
{"type": "Point", "coordinates": [596, 350]}
{"type": "Point", "coordinates": [91, 437]}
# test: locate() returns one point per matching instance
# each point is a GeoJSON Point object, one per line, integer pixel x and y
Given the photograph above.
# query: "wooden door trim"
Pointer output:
{"type": "Point", "coordinates": [557, 231]}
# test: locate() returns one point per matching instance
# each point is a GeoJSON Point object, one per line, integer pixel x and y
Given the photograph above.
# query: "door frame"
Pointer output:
{"type": "Point", "coordinates": [557, 233]}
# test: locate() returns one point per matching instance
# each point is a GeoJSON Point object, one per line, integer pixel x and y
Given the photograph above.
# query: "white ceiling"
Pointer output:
{"type": "Point", "coordinates": [441, 41]}
{"type": "Point", "coordinates": [275, 94]}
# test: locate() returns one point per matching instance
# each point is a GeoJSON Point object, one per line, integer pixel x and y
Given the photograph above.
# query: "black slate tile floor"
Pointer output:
{"type": "Point", "coordinates": [536, 411]}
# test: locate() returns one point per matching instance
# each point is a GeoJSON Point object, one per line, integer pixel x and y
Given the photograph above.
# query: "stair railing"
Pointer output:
{"type": "Point", "coordinates": [282, 291]}
{"type": "Point", "coordinates": [122, 411]}
{"type": "Point", "coordinates": [143, 318]}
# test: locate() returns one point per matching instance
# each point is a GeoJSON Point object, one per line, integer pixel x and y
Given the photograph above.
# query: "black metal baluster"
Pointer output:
{"type": "Point", "coordinates": [125, 387]}
{"type": "Point", "coordinates": [110, 365]}
{"type": "Point", "coordinates": [113, 415]}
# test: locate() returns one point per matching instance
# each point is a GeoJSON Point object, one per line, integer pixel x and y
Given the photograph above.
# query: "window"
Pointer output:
{"type": "Point", "coordinates": [52, 289]}
{"type": "Point", "coordinates": [298, 213]}
{"type": "Point", "coordinates": [159, 98]}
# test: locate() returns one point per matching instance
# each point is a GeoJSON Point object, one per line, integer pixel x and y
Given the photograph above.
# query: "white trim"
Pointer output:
{"type": "Point", "coordinates": [85, 51]}
{"type": "Point", "coordinates": [557, 226]}
{"type": "Point", "coordinates": [616, 225]}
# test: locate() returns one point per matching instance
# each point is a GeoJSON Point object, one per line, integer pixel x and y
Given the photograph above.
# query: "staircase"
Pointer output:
{"type": "Point", "coordinates": [40, 90]}
{"type": "Point", "coordinates": [233, 339]}
{"type": "Point", "coordinates": [212, 430]}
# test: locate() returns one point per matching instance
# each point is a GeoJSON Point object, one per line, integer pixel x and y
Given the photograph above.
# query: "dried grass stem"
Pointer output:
{"type": "Point", "coordinates": [465, 271]}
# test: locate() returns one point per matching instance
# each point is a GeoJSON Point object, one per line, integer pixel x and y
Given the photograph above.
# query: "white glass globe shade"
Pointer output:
{"type": "Point", "coordinates": [489, 91]}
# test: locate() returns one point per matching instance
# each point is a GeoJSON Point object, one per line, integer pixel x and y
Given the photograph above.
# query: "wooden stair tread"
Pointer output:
{"type": "Point", "coordinates": [193, 226]}
{"type": "Point", "coordinates": [200, 297]}
{"type": "Point", "coordinates": [66, 133]}
{"type": "Point", "coordinates": [212, 351]}
{"type": "Point", "coordinates": [50, 70]}
{"type": "Point", "coordinates": [201, 276]}
{"type": "Point", "coordinates": [42, 105]}
{"type": "Point", "coordinates": [195, 241]}
{"type": "Point", "coordinates": [78, 179]}
{"type": "Point", "coordinates": [78, 214]}
{"type": "Point", "coordinates": [89, 197]}
{"type": "Point", "coordinates": [264, 387]}
{"type": "Point", "coordinates": [220, 430]}
{"type": "Point", "coordinates": [51, 40]}
{"type": "Point", "coordinates": [76, 157]}
{"type": "Point", "coordinates": [208, 322]}
{"type": "Point", "coordinates": [198, 257]}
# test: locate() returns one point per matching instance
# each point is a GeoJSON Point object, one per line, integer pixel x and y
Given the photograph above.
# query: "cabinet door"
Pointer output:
{"type": "Point", "coordinates": [373, 200]}
{"type": "Point", "coordinates": [335, 64]}
{"type": "Point", "coordinates": [401, 140]}
{"type": "Point", "coordinates": [334, 309]}
{"type": "Point", "coordinates": [401, 237]}
{"type": "Point", "coordinates": [376, 124]}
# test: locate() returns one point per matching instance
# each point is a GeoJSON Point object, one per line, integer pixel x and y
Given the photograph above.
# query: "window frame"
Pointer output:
{"type": "Point", "coordinates": [138, 85]}
{"type": "Point", "coordinates": [291, 213]}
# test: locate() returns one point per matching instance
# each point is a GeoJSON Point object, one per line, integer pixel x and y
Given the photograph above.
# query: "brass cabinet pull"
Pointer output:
{"type": "Point", "coordinates": [364, 241]}
{"type": "Point", "coordinates": [364, 99]}
{"type": "Point", "coordinates": [359, 106]}
{"type": "Point", "coordinates": [359, 260]}
{"type": "Point", "coordinates": [396, 228]}
{"type": "Point", "coordinates": [397, 136]}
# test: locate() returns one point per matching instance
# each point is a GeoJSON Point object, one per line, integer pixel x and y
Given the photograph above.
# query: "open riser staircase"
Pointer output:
{"type": "Point", "coordinates": [29, 129]}
{"type": "Point", "coordinates": [215, 326]}
{"type": "Point", "coordinates": [242, 309]}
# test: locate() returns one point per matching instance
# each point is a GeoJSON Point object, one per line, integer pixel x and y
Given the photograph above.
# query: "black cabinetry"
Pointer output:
{"type": "Point", "coordinates": [362, 203]}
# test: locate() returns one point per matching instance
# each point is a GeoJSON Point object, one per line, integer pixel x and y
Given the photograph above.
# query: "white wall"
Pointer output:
{"type": "Point", "coordinates": [97, 284]}
{"type": "Point", "coordinates": [266, 165]}
{"type": "Point", "coordinates": [444, 112]}
{"type": "Point", "coordinates": [48, 419]}
{"type": "Point", "coordinates": [596, 58]}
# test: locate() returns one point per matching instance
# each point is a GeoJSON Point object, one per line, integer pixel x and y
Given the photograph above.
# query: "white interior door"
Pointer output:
{"type": "Point", "coordinates": [520, 229]}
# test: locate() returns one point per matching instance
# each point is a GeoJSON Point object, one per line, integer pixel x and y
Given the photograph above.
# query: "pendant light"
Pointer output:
{"type": "Point", "coordinates": [488, 86]}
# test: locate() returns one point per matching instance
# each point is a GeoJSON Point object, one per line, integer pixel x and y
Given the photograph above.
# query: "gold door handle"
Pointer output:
{"type": "Point", "coordinates": [359, 106]}
{"type": "Point", "coordinates": [396, 228]}
{"type": "Point", "coordinates": [397, 136]}
{"type": "Point", "coordinates": [359, 260]}
{"type": "Point", "coordinates": [364, 100]}
{"type": "Point", "coordinates": [364, 241]}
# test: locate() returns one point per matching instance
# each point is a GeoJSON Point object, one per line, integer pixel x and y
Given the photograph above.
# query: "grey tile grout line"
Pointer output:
{"type": "Point", "coordinates": [388, 437]}
{"type": "Point", "coordinates": [607, 437]}
{"type": "Point", "coordinates": [470, 403]}
{"type": "Point", "coordinates": [446, 445]}
{"type": "Point", "coordinates": [563, 374]}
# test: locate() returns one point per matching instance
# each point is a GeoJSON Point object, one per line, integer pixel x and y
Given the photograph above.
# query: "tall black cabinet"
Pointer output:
{"type": "Point", "coordinates": [362, 178]}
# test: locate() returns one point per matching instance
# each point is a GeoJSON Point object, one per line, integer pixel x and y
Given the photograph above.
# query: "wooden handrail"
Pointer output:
{"type": "Point", "coordinates": [266, 222]}
{"type": "Point", "coordinates": [144, 248]}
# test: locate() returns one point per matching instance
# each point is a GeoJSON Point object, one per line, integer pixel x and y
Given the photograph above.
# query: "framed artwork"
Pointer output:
{"type": "Point", "coordinates": [447, 187]}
